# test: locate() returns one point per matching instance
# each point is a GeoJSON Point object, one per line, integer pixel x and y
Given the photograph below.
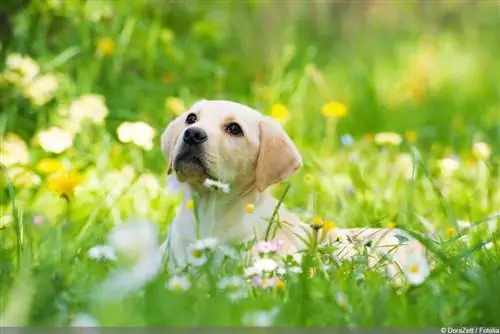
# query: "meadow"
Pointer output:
{"type": "Point", "coordinates": [395, 107]}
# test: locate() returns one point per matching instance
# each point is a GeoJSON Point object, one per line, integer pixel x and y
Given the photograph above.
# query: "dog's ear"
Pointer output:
{"type": "Point", "coordinates": [169, 139]}
{"type": "Point", "coordinates": [278, 156]}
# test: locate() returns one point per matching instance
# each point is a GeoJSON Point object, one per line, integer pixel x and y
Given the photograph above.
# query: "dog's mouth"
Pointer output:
{"type": "Point", "coordinates": [190, 166]}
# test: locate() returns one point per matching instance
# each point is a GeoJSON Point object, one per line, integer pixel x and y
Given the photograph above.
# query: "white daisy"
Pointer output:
{"type": "Point", "coordinates": [135, 239]}
{"type": "Point", "coordinates": [149, 182]}
{"type": "Point", "coordinates": [295, 270]}
{"type": "Point", "coordinates": [88, 108]}
{"type": "Point", "coordinates": [139, 133]}
{"type": "Point", "coordinates": [265, 265]}
{"type": "Point", "coordinates": [208, 243]}
{"type": "Point", "coordinates": [197, 252]}
{"type": "Point", "coordinates": [179, 283]}
{"type": "Point", "coordinates": [250, 271]}
{"type": "Point", "coordinates": [84, 320]}
{"type": "Point", "coordinates": [260, 318]}
{"type": "Point", "coordinates": [463, 224]}
{"type": "Point", "coordinates": [13, 150]}
{"type": "Point", "coordinates": [416, 269]}
{"type": "Point", "coordinates": [235, 286]}
{"type": "Point", "coordinates": [229, 252]}
{"type": "Point", "coordinates": [448, 166]}
{"type": "Point", "coordinates": [297, 257]}
{"type": "Point", "coordinates": [41, 90]}
{"type": "Point", "coordinates": [102, 252]}
{"type": "Point", "coordinates": [405, 166]}
{"type": "Point", "coordinates": [342, 300]}
{"type": "Point", "coordinates": [54, 139]}
{"type": "Point", "coordinates": [388, 138]}
{"type": "Point", "coordinates": [481, 150]}
{"type": "Point", "coordinates": [22, 69]}
{"type": "Point", "coordinates": [213, 184]}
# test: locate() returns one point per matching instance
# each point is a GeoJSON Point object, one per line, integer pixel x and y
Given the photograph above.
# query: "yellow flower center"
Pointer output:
{"type": "Point", "coordinates": [280, 284]}
{"type": "Point", "coordinates": [197, 253]}
{"type": "Point", "coordinates": [308, 177]}
{"type": "Point", "coordinates": [232, 288]}
{"type": "Point", "coordinates": [190, 204]}
{"type": "Point", "coordinates": [411, 136]}
{"type": "Point", "coordinates": [414, 269]}
{"type": "Point", "coordinates": [250, 208]}
{"type": "Point", "coordinates": [450, 231]}
{"type": "Point", "coordinates": [317, 222]}
{"type": "Point", "coordinates": [106, 46]}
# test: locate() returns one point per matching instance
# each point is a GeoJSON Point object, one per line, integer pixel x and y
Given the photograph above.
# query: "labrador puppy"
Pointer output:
{"type": "Point", "coordinates": [233, 144]}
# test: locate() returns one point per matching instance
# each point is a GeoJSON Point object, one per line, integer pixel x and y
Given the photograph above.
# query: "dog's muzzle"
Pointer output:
{"type": "Point", "coordinates": [189, 163]}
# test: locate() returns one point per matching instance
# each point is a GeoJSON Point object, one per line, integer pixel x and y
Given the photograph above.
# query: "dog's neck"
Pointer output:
{"type": "Point", "coordinates": [221, 215]}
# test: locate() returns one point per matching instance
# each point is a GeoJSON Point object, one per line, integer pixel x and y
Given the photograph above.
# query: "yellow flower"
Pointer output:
{"type": "Point", "coordinates": [411, 136]}
{"type": "Point", "coordinates": [450, 231]}
{"type": "Point", "coordinates": [250, 208]}
{"type": "Point", "coordinates": [388, 138]}
{"type": "Point", "coordinates": [49, 166]}
{"type": "Point", "coordinates": [64, 184]}
{"type": "Point", "coordinates": [175, 105]}
{"type": "Point", "coordinates": [368, 136]}
{"type": "Point", "coordinates": [334, 109]}
{"type": "Point", "coordinates": [391, 225]}
{"type": "Point", "coordinates": [317, 223]}
{"type": "Point", "coordinates": [280, 113]}
{"type": "Point", "coordinates": [328, 225]}
{"type": "Point", "coordinates": [308, 177]}
{"type": "Point", "coordinates": [280, 284]}
{"type": "Point", "coordinates": [106, 46]}
{"type": "Point", "coordinates": [190, 204]}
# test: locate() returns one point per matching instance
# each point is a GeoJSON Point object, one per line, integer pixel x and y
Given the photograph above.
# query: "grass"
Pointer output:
{"type": "Point", "coordinates": [433, 81]}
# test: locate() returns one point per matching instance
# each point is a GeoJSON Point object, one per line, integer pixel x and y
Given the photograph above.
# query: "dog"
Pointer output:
{"type": "Point", "coordinates": [233, 144]}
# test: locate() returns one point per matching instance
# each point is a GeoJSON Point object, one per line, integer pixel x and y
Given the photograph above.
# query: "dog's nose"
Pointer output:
{"type": "Point", "coordinates": [194, 136]}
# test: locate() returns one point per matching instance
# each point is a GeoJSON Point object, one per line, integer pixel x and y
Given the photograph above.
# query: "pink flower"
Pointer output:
{"type": "Point", "coordinates": [269, 247]}
{"type": "Point", "coordinates": [259, 281]}
{"type": "Point", "coordinates": [37, 219]}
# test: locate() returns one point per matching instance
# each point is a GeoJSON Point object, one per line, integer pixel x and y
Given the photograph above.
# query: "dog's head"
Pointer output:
{"type": "Point", "coordinates": [230, 143]}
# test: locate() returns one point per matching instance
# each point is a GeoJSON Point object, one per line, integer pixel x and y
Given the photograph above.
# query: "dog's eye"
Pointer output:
{"type": "Point", "coordinates": [234, 129]}
{"type": "Point", "coordinates": [191, 118]}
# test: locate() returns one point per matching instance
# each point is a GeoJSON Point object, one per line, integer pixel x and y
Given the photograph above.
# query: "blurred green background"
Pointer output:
{"type": "Point", "coordinates": [429, 66]}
